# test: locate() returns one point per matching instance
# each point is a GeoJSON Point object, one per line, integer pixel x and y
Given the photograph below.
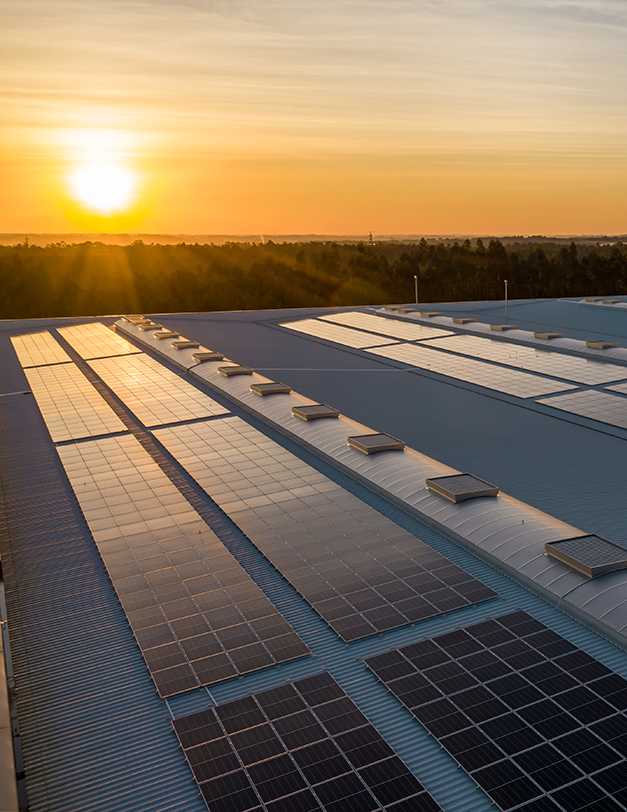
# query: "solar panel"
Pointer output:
{"type": "Point", "coordinates": [96, 341]}
{"type": "Point", "coordinates": [386, 327]}
{"type": "Point", "coordinates": [70, 406]}
{"type": "Point", "coordinates": [373, 443]}
{"type": "Point", "coordinates": [600, 406]}
{"type": "Point", "coordinates": [301, 747]}
{"type": "Point", "coordinates": [590, 555]}
{"type": "Point", "coordinates": [533, 719]}
{"type": "Point", "coordinates": [556, 364]}
{"type": "Point", "coordinates": [460, 487]}
{"type": "Point", "coordinates": [335, 333]}
{"type": "Point", "coordinates": [153, 393]}
{"type": "Point", "coordinates": [196, 614]}
{"type": "Point", "coordinates": [510, 381]}
{"type": "Point", "coordinates": [39, 349]}
{"type": "Point", "coordinates": [362, 573]}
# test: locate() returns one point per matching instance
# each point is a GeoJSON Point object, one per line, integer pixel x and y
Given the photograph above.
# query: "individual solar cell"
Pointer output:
{"type": "Point", "coordinates": [333, 332]}
{"type": "Point", "coordinates": [71, 407]}
{"type": "Point", "coordinates": [39, 349]}
{"type": "Point", "coordinates": [361, 572]}
{"type": "Point", "coordinates": [570, 368]}
{"type": "Point", "coordinates": [287, 749]}
{"type": "Point", "coordinates": [152, 392]}
{"type": "Point", "coordinates": [96, 341]}
{"type": "Point", "coordinates": [591, 555]}
{"type": "Point", "coordinates": [180, 588]}
{"type": "Point", "coordinates": [386, 327]}
{"type": "Point", "coordinates": [600, 406]}
{"type": "Point", "coordinates": [547, 733]}
{"type": "Point", "coordinates": [460, 487]}
{"type": "Point", "coordinates": [510, 381]}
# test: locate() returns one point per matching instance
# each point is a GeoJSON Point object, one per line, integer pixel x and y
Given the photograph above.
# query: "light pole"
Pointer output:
{"type": "Point", "coordinates": [416, 287]}
{"type": "Point", "coordinates": [506, 300]}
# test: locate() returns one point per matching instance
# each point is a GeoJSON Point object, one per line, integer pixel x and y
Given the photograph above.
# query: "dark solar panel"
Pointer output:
{"type": "Point", "coordinates": [547, 732]}
{"type": "Point", "coordinates": [301, 747]}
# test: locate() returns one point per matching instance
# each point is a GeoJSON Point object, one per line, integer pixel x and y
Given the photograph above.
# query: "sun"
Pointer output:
{"type": "Point", "coordinates": [103, 187]}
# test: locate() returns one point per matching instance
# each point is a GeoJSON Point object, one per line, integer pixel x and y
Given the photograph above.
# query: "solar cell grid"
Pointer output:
{"type": "Point", "coordinates": [96, 341]}
{"type": "Point", "coordinates": [361, 572]}
{"type": "Point", "coordinates": [334, 332]}
{"type": "Point", "coordinates": [71, 407]}
{"type": "Point", "coordinates": [601, 406]}
{"type": "Point", "coordinates": [290, 749]}
{"type": "Point", "coordinates": [153, 393]}
{"type": "Point", "coordinates": [384, 326]}
{"type": "Point", "coordinates": [539, 725]}
{"type": "Point", "coordinates": [510, 381]}
{"type": "Point", "coordinates": [38, 349]}
{"type": "Point", "coordinates": [194, 611]}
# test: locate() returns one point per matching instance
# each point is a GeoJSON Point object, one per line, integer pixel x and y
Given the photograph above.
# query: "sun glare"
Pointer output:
{"type": "Point", "coordinates": [105, 188]}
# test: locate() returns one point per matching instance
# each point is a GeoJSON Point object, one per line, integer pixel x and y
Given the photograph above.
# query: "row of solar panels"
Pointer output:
{"type": "Point", "coordinates": [503, 531]}
{"type": "Point", "coordinates": [537, 723]}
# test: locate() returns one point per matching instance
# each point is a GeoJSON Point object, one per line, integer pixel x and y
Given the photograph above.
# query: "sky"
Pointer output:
{"type": "Point", "coordinates": [314, 116]}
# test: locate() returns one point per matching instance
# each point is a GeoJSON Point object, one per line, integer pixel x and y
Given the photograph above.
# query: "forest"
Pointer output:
{"type": "Point", "coordinates": [92, 278]}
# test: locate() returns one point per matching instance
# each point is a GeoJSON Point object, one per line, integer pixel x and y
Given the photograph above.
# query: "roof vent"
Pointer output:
{"type": "Point", "coordinates": [274, 388]}
{"type": "Point", "coordinates": [314, 412]}
{"type": "Point", "coordinates": [373, 443]}
{"type": "Point", "coordinates": [601, 345]}
{"type": "Point", "coordinates": [185, 344]}
{"type": "Point", "coordinates": [430, 314]}
{"type": "Point", "coordinates": [463, 321]}
{"type": "Point", "coordinates": [202, 357]}
{"type": "Point", "coordinates": [548, 335]}
{"type": "Point", "coordinates": [167, 334]}
{"type": "Point", "coordinates": [460, 487]}
{"type": "Point", "coordinates": [610, 301]}
{"type": "Point", "coordinates": [593, 299]}
{"type": "Point", "coordinates": [502, 327]}
{"type": "Point", "coordinates": [135, 318]}
{"type": "Point", "coordinates": [590, 555]}
{"type": "Point", "coordinates": [236, 369]}
{"type": "Point", "coordinates": [151, 326]}
{"type": "Point", "coordinates": [398, 308]}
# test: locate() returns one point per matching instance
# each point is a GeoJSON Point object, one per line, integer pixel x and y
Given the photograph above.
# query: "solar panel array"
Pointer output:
{"type": "Point", "coordinates": [153, 393]}
{"type": "Point", "coordinates": [96, 341]}
{"type": "Point", "coordinates": [71, 407]}
{"type": "Point", "coordinates": [510, 381]}
{"type": "Point", "coordinates": [538, 723]}
{"type": "Point", "coordinates": [599, 406]}
{"type": "Point", "coordinates": [196, 614]}
{"type": "Point", "coordinates": [361, 572]}
{"type": "Point", "coordinates": [386, 327]}
{"type": "Point", "coordinates": [621, 387]}
{"type": "Point", "coordinates": [39, 349]}
{"type": "Point", "coordinates": [545, 362]}
{"type": "Point", "coordinates": [333, 332]}
{"type": "Point", "coordinates": [301, 747]}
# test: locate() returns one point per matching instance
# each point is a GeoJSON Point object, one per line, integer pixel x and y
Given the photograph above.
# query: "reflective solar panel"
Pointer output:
{"type": "Point", "coordinates": [538, 723]}
{"type": "Point", "coordinates": [96, 341]}
{"type": "Point", "coordinates": [39, 349]}
{"type": "Point", "coordinates": [71, 407]}
{"type": "Point", "coordinates": [580, 370]}
{"type": "Point", "coordinates": [361, 572]}
{"type": "Point", "coordinates": [196, 614]}
{"type": "Point", "coordinates": [301, 747]}
{"type": "Point", "coordinates": [386, 327]}
{"type": "Point", "coordinates": [510, 381]}
{"type": "Point", "coordinates": [153, 393]}
{"type": "Point", "coordinates": [600, 406]}
{"type": "Point", "coordinates": [335, 333]}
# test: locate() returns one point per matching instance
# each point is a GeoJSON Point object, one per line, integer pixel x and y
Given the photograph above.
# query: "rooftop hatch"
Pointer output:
{"type": "Point", "coordinates": [273, 388]}
{"type": "Point", "coordinates": [373, 443]}
{"type": "Point", "coordinates": [314, 412]}
{"type": "Point", "coordinates": [460, 487]}
{"type": "Point", "coordinates": [590, 555]}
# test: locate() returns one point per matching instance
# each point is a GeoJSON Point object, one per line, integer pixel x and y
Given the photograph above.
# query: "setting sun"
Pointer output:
{"type": "Point", "coordinates": [106, 188]}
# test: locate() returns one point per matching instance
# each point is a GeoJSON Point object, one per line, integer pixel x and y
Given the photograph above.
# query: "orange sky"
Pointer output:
{"type": "Point", "coordinates": [316, 116]}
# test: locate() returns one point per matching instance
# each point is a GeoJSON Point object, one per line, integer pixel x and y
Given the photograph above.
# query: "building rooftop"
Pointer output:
{"type": "Point", "coordinates": [177, 547]}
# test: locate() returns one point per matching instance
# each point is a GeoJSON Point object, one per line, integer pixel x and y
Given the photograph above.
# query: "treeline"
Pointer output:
{"type": "Point", "coordinates": [96, 279]}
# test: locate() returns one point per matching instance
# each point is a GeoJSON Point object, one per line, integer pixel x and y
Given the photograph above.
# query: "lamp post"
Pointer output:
{"type": "Point", "coordinates": [506, 300]}
{"type": "Point", "coordinates": [416, 287]}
